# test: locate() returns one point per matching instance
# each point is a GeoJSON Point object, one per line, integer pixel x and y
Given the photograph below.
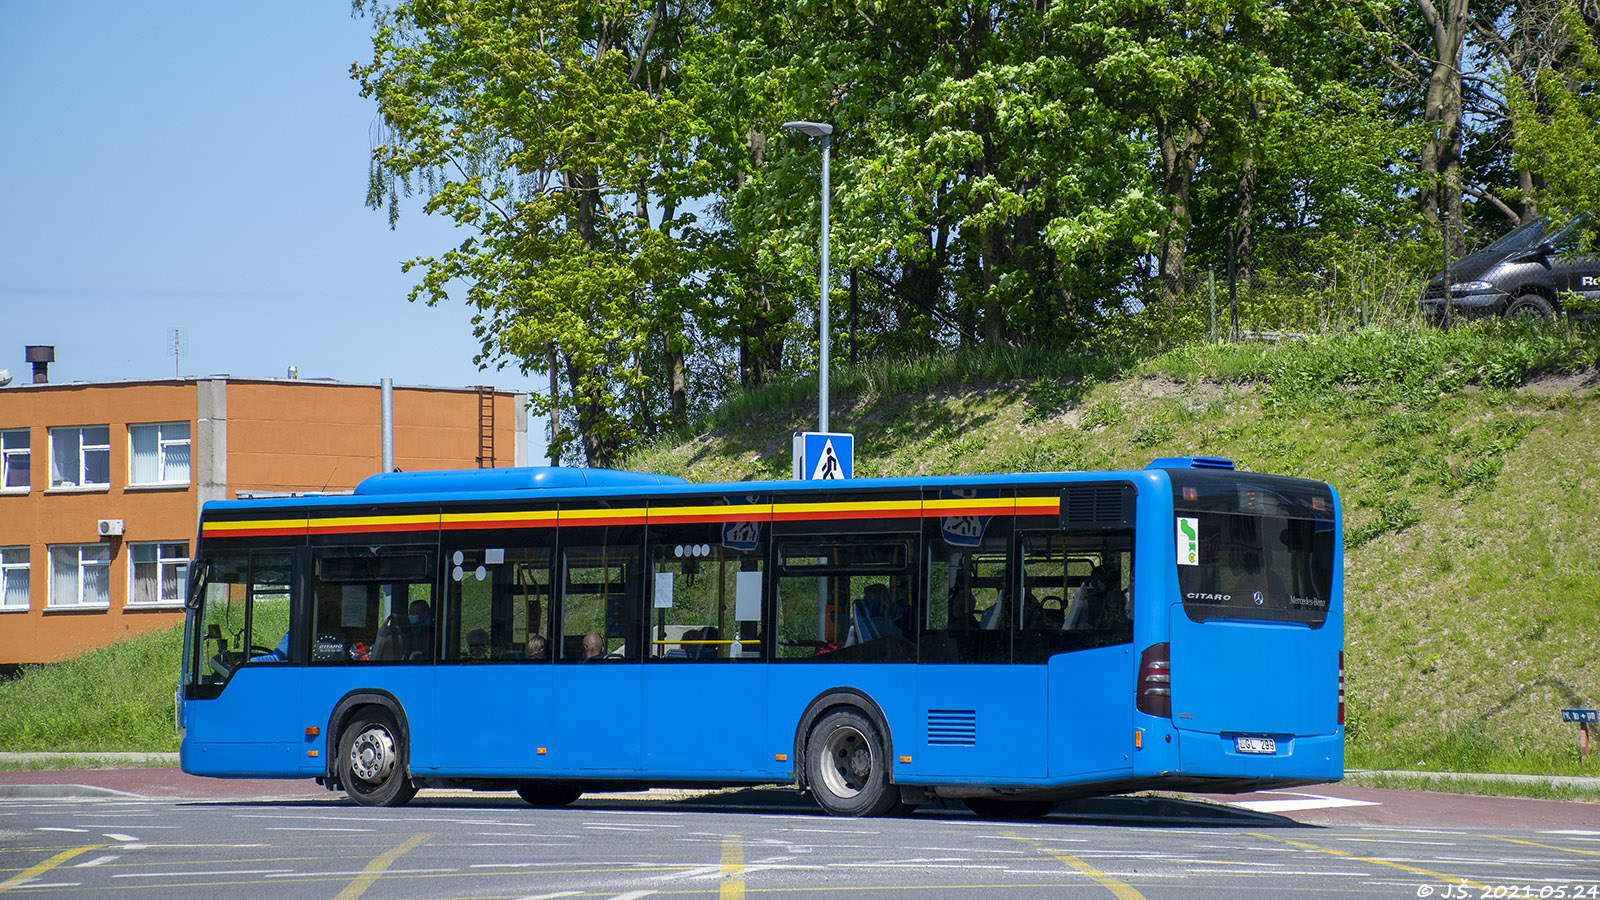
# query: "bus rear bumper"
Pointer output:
{"type": "Point", "coordinates": [1301, 759]}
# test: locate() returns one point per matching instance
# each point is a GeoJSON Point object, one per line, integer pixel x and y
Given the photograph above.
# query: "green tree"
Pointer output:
{"type": "Point", "coordinates": [555, 134]}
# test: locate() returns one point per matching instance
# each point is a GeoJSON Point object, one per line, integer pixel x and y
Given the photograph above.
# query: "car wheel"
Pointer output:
{"type": "Point", "coordinates": [374, 762]}
{"type": "Point", "coordinates": [1531, 308]}
{"type": "Point", "coordinates": [847, 766]}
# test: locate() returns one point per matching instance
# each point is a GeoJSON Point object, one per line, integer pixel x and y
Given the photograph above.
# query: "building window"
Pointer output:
{"type": "Point", "coordinates": [80, 576]}
{"type": "Point", "coordinates": [159, 454]}
{"type": "Point", "coordinates": [13, 577]}
{"type": "Point", "coordinates": [80, 457]}
{"type": "Point", "coordinates": [159, 573]}
{"type": "Point", "coordinates": [16, 471]}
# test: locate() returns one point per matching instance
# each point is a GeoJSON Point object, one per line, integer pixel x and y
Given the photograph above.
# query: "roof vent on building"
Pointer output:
{"type": "Point", "coordinates": [41, 357]}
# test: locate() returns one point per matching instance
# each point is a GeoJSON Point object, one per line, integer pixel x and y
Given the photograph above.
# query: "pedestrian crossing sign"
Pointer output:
{"type": "Point", "coordinates": [824, 455]}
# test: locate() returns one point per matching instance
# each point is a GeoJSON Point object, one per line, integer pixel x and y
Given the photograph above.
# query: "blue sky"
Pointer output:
{"type": "Point", "coordinates": [202, 166]}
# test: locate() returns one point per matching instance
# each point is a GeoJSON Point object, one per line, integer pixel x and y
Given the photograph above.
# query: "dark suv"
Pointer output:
{"type": "Point", "coordinates": [1526, 273]}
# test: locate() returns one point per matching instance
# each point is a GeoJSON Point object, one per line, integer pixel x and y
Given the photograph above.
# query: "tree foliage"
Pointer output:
{"type": "Point", "coordinates": [1014, 172]}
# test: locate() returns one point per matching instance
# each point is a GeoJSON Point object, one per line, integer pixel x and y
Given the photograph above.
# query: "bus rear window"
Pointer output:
{"type": "Point", "coordinates": [1254, 547]}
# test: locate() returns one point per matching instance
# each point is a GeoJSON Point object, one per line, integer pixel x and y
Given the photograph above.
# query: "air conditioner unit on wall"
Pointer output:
{"type": "Point", "coordinates": [110, 527]}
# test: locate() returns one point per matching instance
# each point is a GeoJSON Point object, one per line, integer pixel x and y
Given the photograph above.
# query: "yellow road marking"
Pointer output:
{"type": "Point", "coordinates": [1455, 879]}
{"type": "Point", "coordinates": [33, 872]}
{"type": "Point", "coordinates": [1117, 888]}
{"type": "Point", "coordinates": [377, 867]}
{"type": "Point", "coordinates": [732, 868]}
{"type": "Point", "coordinates": [1546, 846]}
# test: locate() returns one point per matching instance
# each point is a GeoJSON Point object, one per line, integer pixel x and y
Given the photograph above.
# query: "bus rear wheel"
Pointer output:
{"type": "Point", "coordinates": [847, 766]}
{"type": "Point", "coordinates": [541, 793]}
{"type": "Point", "coordinates": [993, 808]}
{"type": "Point", "coordinates": [374, 762]}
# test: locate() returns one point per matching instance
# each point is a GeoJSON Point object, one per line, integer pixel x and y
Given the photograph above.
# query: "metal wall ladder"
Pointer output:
{"type": "Point", "coordinates": [485, 427]}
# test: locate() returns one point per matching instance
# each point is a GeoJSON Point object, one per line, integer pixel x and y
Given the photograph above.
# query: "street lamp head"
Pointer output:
{"type": "Point", "coordinates": [814, 129]}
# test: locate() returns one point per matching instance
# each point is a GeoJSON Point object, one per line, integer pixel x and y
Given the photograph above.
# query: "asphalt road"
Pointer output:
{"type": "Point", "coordinates": [291, 840]}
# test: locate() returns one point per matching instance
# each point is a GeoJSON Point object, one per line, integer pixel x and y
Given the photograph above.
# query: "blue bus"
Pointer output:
{"type": "Point", "coordinates": [1007, 640]}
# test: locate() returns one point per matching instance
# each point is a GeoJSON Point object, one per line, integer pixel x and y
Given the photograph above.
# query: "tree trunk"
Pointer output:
{"type": "Point", "coordinates": [1180, 153]}
{"type": "Point", "coordinates": [1244, 228]}
{"type": "Point", "coordinates": [1441, 155]}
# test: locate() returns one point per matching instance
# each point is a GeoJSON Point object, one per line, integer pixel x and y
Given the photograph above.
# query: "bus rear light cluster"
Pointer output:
{"type": "Point", "coordinates": [1341, 687]}
{"type": "Point", "coordinates": [1154, 696]}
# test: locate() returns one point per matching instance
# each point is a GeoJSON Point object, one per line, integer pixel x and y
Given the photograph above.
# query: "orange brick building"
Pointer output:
{"type": "Point", "coordinates": [101, 484]}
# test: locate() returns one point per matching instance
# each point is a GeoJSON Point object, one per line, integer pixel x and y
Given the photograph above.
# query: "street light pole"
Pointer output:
{"type": "Point", "coordinates": [818, 129]}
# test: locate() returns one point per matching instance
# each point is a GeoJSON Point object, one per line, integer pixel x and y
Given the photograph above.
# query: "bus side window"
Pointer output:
{"type": "Point", "coordinates": [967, 620]}
{"type": "Point", "coordinates": [495, 609]}
{"type": "Point", "coordinates": [704, 593]}
{"type": "Point", "coordinates": [600, 592]}
{"type": "Point", "coordinates": [1077, 592]}
{"type": "Point", "coordinates": [372, 606]}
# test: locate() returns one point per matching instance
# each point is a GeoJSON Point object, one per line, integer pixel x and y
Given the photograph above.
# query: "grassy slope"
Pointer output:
{"type": "Point", "coordinates": [112, 699]}
{"type": "Point", "coordinates": [1471, 499]}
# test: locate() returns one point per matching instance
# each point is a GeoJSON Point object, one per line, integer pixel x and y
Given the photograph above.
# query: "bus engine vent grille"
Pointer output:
{"type": "Point", "coordinates": [1097, 506]}
{"type": "Point", "coordinates": [953, 727]}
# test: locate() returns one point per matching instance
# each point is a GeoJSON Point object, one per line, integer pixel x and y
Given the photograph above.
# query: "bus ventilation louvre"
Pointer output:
{"type": "Point", "coordinates": [1155, 682]}
{"type": "Point", "coordinates": [953, 727]}
{"type": "Point", "coordinates": [1092, 507]}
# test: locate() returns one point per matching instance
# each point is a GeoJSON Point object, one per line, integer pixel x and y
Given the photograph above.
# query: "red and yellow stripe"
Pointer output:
{"type": "Point", "coordinates": [300, 524]}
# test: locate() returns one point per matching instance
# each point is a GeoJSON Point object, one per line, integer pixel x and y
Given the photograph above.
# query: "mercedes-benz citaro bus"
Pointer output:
{"type": "Point", "coordinates": [1007, 640]}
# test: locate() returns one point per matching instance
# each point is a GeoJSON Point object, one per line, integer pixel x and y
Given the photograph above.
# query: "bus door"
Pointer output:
{"type": "Point", "coordinates": [495, 680]}
{"type": "Point", "coordinates": [598, 639]}
{"type": "Point", "coordinates": [981, 715]}
{"type": "Point", "coordinates": [241, 710]}
{"type": "Point", "coordinates": [1256, 636]}
{"type": "Point", "coordinates": [373, 614]}
{"type": "Point", "coordinates": [705, 694]}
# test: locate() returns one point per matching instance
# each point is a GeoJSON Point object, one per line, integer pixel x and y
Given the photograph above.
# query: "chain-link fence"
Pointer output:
{"type": "Point", "coordinates": [1309, 282]}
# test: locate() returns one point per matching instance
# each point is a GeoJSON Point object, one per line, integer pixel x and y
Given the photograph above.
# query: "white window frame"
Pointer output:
{"type": "Point", "coordinates": [166, 439]}
{"type": "Point", "coordinates": [172, 555]}
{"type": "Point", "coordinates": [97, 556]}
{"type": "Point", "coordinates": [15, 560]}
{"type": "Point", "coordinates": [10, 452]}
{"type": "Point", "coordinates": [83, 449]}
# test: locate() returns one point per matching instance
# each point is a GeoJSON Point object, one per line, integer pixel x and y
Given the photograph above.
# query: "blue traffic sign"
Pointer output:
{"type": "Point", "coordinates": [824, 455]}
{"type": "Point", "coordinates": [1580, 715]}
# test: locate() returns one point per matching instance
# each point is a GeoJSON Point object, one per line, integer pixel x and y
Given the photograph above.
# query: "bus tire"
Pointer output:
{"type": "Point", "coordinates": [847, 766]}
{"type": "Point", "coordinates": [995, 808]}
{"type": "Point", "coordinates": [374, 761]}
{"type": "Point", "coordinates": [549, 793]}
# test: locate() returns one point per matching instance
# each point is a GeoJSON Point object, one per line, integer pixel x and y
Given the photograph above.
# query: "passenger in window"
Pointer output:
{"type": "Point", "coordinates": [707, 649]}
{"type": "Point", "coordinates": [689, 646]}
{"type": "Point", "coordinates": [1100, 592]}
{"type": "Point", "coordinates": [419, 631]}
{"type": "Point", "coordinates": [478, 645]}
{"type": "Point", "coordinates": [594, 647]}
{"type": "Point", "coordinates": [537, 648]}
{"type": "Point", "coordinates": [963, 612]}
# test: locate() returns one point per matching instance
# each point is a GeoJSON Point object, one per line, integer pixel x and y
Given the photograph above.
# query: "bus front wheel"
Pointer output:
{"type": "Point", "coordinates": [847, 766]}
{"type": "Point", "coordinates": [374, 762]}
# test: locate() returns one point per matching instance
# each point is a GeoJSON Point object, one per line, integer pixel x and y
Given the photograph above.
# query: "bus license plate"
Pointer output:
{"type": "Point", "coordinates": [1255, 745]}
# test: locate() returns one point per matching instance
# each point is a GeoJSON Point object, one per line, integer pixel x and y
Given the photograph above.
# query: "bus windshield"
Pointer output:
{"type": "Point", "coordinates": [1254, 547]}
